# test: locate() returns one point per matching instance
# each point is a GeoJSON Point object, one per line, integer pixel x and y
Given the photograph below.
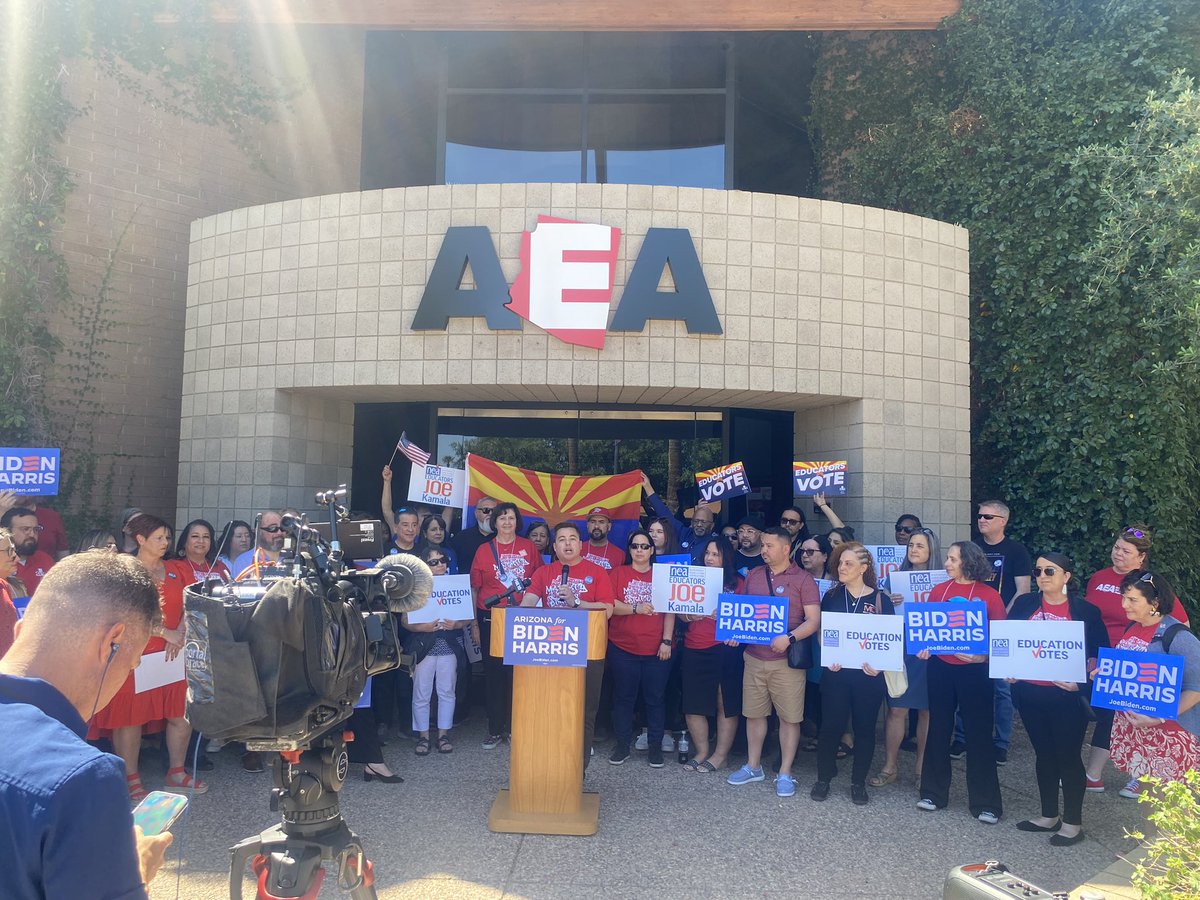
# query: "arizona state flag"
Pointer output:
{"type": "Point", "coordinates": [556, 498]}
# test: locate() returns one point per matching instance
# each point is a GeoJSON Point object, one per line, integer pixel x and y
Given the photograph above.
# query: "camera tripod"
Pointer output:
{"type": "Point", "coordinates": [287, 858]}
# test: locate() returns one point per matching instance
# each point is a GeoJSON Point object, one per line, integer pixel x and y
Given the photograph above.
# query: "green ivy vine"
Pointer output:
{"type": "Point", "coordinates": [1064, 135]}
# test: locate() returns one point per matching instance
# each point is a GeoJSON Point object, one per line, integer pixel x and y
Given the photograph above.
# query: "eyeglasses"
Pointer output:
{"type": "Point", "coordinates": [1133, 532]}
{"type": "Point", "coordinates": [905, 529]}
{"type": "Point", "coordinates": [438, 561]}
{"type": "Point", "coordinates": [639, 546]}
{"type": "Point", "coordinates": [271, 529]}
{"type": "Point", "coordinates": [111, 545]}
{"type": "Point", "coordinates": [789, 521]}
{"type": "Point", "coordinates": [486, 510]}
{"type": "Point", "coordinates": [989, 516]}
{"type": "Point", "coordinates": [1050, 571]}
{"type": "Point", "coordinates": [10, 550]}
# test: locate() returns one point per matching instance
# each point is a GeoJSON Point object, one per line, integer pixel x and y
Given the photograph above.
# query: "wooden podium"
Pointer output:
{"type": "Point", "coordinates": [545, 793]}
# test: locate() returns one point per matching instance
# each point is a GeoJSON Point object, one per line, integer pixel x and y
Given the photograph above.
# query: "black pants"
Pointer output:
{"type": "Point", "coordinates": [848, 696]}
{"type": "Point", "coordinates": [1055, 722]}
{"type": "Point", "coordinates": [593, 680]}
{"type": "Point", "coordinates": [365, 746]}
{"type": "Point", "coordinates": [969, 688]}
{"type": "Point", "coordinates": [629, 673]}
{"type": "Point", "coordinates": [497, 684]}
{"type": "Point", "coordinates": [1102, 733]}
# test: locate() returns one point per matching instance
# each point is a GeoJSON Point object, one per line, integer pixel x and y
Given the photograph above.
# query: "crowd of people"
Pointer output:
{"type": "Point", "coordinates": [666, 675]}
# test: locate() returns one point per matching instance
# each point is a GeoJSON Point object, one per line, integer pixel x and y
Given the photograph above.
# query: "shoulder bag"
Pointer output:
{"type": "Point", "coordinates": [799, 654]}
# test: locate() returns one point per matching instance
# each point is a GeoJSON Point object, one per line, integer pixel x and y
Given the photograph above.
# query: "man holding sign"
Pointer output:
{"type": "Point", "coordinates": [768, 682]}
{"type": "Point", "coordinates": [1055, 636]}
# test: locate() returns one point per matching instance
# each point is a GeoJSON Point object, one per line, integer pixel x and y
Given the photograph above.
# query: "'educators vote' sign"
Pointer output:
{"type": "Point", "coordinates": [819, 477]}
{"type": "Point", "coordinates": [1146, 683]}
{"type": "Point", "coordinates": [945, 628]}
{"type": "Point", "coordinates": [722, 482]}
{"type": "Point", "coordinates": [538, 637]}
{"type": "Point", "coordinates": [750, 619]}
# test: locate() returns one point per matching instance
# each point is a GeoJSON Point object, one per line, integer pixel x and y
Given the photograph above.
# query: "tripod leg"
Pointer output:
{"type": "Point", "coordinates": [242, 853]}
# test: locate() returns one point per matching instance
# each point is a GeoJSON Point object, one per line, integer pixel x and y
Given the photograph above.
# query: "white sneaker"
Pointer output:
{"type": "Point", "coordinates": [668, 743]}
{"type": "Point", "coordinates": [642, 743]}
{"type": "Point", "coordinates": [213, 746]}
{"type": "Point", "coordinates": [1131, 791]}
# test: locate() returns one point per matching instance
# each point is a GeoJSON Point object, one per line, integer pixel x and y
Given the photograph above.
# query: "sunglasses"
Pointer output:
{"type": "Point", "coordinates": [905, 529]}
{"type": "Point", "coordinates": [989, 516]}
{"type": "Point", "coordinates": [1038, 571]}
{"type": "Point", "coordinates": [806, 552]}
{"type": "Point", "coordinates": [271, 529]}
{"type": "Point", "coordinates": [439, 561]}
{"type": "Point", "coordinates": [789, 521]}
{"type": "Point", "coordinates": [1133, 532]}
{"type": "Point", "coordinates": [639, 546]}
{"type": "Point", "coordinates": [486, 510]}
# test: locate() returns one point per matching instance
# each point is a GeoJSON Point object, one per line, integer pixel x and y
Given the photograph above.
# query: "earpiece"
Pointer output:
{"type": "Point", "coordinates": [112, 649]}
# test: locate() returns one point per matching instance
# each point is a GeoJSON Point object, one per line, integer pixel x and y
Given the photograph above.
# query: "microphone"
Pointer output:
{"type": "Point", "coordinates": [566, 569]}
{"type": "Point", "coordinates": [324, 498]}
{"type": "Point", "coordinates": [406, 582]}
{"type": "Point", "coordinates": [521, 584]}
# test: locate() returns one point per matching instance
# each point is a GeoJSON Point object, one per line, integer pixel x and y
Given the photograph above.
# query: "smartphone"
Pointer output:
{"type": "Point", "coordinates": [159, 811]}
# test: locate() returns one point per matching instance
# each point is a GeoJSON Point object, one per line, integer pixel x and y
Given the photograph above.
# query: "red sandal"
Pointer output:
{"type": "Point", "coordinates": [178, 778]}
{"type": "Point", "coordinates": [137, 791]}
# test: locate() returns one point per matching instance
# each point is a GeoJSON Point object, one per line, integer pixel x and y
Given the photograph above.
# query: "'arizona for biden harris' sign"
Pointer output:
{"type": "Point", "coordinates": [1146, 683]}
{"type": "Point", "coordinates": [944, 628]}
{"type": "Point", "coordinates": [540, 637]}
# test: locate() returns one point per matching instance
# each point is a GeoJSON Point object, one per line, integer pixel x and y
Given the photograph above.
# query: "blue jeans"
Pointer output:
{"type": "Point", "coordinates": [630, 672]}
{"type": "Point", "coordinates": [1002, 735]}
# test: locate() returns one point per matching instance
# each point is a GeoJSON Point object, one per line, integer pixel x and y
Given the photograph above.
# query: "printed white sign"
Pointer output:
{"type": "Point", "coordinates": [856, 638]}
{"type": "Point", "coordinates": [888, 558]}
{"type": "Point", "coordinates": [154, 671]}
{"type": "Point", "coordinates": [1037, 651]}
{"type": "Point", "coordinates": [916, 586]}
{"type": "Point", "coordinates": [692, 590]}
{"type": "Point", "coordinates": [450, 600]}
{"type": "Point", "coordinates": [437, 485]}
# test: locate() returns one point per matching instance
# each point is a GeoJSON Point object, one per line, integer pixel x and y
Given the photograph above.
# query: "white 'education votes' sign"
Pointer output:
{"type": "Point", "coordinates": [851, 639]}
{"type": "Point", "coordinates": [1037, 651]}
{"type": "Point", "coordinates": [450, 600]}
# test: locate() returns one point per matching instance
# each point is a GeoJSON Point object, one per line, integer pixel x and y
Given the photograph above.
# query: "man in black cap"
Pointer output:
{"type": "Point", "coordinates": [749, 543]}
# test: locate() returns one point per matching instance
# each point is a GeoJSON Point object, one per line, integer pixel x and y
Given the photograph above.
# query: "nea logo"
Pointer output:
{"type": "Point", "coordinates": [565, 285]}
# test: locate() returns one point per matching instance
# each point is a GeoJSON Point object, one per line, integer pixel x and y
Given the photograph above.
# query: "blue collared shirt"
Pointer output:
{"type": "Point", "coordinates": [65, 826]}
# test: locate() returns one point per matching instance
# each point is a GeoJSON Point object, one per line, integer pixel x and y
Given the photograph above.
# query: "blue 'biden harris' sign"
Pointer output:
{"type": "Point", "coordinates": [944, 628]}
{"type": "Point", "coordinates": [545, 637]}
{"type": "Point", "coordinates": [1146, 683]}
{"type": "Point", "coordinates": [29, 470]}
{"type": "Point", "coordinates": [749, 619]}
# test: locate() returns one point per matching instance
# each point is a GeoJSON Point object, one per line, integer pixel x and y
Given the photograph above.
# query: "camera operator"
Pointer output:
{"type": "Point", "coordinates": [64, 804]}
{"type": "Point", "coordinates": [267, 544]}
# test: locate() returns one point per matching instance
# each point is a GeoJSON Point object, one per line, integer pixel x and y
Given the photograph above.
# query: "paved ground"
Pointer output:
{"type": "Point", "coordinates": [663, 833]}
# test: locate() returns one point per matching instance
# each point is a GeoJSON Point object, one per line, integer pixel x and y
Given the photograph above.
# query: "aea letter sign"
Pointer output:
{"type": "Point", "coordinates": [566, 282]}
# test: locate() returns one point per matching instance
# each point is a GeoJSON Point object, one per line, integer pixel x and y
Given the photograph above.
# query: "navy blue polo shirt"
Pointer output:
{"type": "Point", "coordinates": [65, 826]}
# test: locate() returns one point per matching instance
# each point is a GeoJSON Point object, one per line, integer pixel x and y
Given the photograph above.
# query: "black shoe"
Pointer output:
{"type": "Point", "coordinates": [252, 761]}
{"type": "Point", "coordinates": [1027, 825]}
{"type": "Point", "coordinates": [1057, 840]}
{"type": "Point", "coordinates": [655, 754]}
{"type": "Point", "coordinates": [858, 795]}
{"type": "Point", "coordinates": [370, 775]}
{"type": "Point", "coordinates": [820, 791]}
{"type": "Point", "coordinates": [1002, 757]}
{"type": "Point", "coordinates": [958, 750]}
{"type": "Point", "coordinates": [909, 745]}
{"type": "Point", "coordinates": [620, 754]}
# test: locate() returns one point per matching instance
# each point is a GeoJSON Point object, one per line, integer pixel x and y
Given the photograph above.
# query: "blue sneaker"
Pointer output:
{"type": "Point", "coordinates": [785, 785]}
{"type": "Point", "coordinates": [745, 775]}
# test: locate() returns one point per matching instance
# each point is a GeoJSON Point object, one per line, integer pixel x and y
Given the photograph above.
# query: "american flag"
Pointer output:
{"type": "Point", "coordinates": [415, 454]}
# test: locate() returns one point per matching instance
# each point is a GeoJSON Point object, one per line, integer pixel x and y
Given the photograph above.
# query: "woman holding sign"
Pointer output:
{"type": "Point", "coordinates": [960, 681]}
{"type": "Point", "coordinates": [1150, 745]}
{"type": "Point", "coordinates": [639, 651]}
{"type": "Point", "coordinates": [850, 695]}
{"type": "Point", "coordinates": [712, 671]}
{"type": "Point", "coordinates": [1054, 717]}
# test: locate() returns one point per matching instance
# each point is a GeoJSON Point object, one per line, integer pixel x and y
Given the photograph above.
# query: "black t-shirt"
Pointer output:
{"type": "Point", "coordinates": [839, 600]}
{"type": "Point", "coordinates": [1010, 560]}
{"type": "Point", "coordinates": [466, 542]}
{"type": "Point", "coordinates": [744, 563]}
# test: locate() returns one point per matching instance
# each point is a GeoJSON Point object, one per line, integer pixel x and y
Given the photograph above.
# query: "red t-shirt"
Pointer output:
{"type": "Point", "coordinates": [949, 591]}
{"type": "Point", "coordinates": [1047, 613]}
{"type": "Point", "coordinates": [8, 618]}
{"type": "Point", "coordinates": [520, 559]}
{"type": "Point", "coordinates": [588, 582]}
{"type": "Point", "coordinates": [702, 634]}
{"type": "Point", "coordinates": [610, 556]}
{"type": "Point", "coordinates": [1104, 593]}
{"type": "Point", "coordinates": [794, 583]}
{"type": "Point", "coordinates": [53, 539]}
{"type": "Point", "coordinates": [34, 569]}
{"type": "Point", "coordinates": [640, 635]}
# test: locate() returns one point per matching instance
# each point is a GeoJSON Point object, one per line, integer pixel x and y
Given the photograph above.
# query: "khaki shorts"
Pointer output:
{"type": "Point", "coordinates": [768, 683]}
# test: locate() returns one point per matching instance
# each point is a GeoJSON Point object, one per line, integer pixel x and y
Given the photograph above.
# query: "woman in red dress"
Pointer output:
{"type": "Point", "coordinates": [130, 714]}
{"type": "Point", "coordinates": [1149, 745]}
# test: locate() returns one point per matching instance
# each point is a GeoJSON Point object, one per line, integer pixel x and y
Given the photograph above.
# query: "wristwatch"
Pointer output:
{"type": "Point", "coordinates": [791, 638]}
{"type": "Point", "coordinates": [666, 642]}
{"type": "Point", "coordinates": [576, 603]}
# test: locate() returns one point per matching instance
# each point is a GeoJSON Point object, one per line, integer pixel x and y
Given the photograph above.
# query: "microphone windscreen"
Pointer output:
{"type": "Point", "coordinates": [406, 581]}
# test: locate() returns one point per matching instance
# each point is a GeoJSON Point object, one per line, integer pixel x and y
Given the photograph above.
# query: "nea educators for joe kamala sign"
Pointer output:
{"type": "Point", "coordinates": [566, 282]}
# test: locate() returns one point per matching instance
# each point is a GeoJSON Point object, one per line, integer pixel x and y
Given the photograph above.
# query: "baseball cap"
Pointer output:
{"type": "Point", "coordinates": [599, 511]}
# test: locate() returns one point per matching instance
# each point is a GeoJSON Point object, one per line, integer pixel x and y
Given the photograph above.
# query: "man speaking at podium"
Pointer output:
{"type": "Point", "coordinates": [573, 582]}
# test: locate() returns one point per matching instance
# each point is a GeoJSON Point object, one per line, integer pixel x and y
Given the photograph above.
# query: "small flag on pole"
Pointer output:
{"type": "Point", "coordinates": [415, 454]}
